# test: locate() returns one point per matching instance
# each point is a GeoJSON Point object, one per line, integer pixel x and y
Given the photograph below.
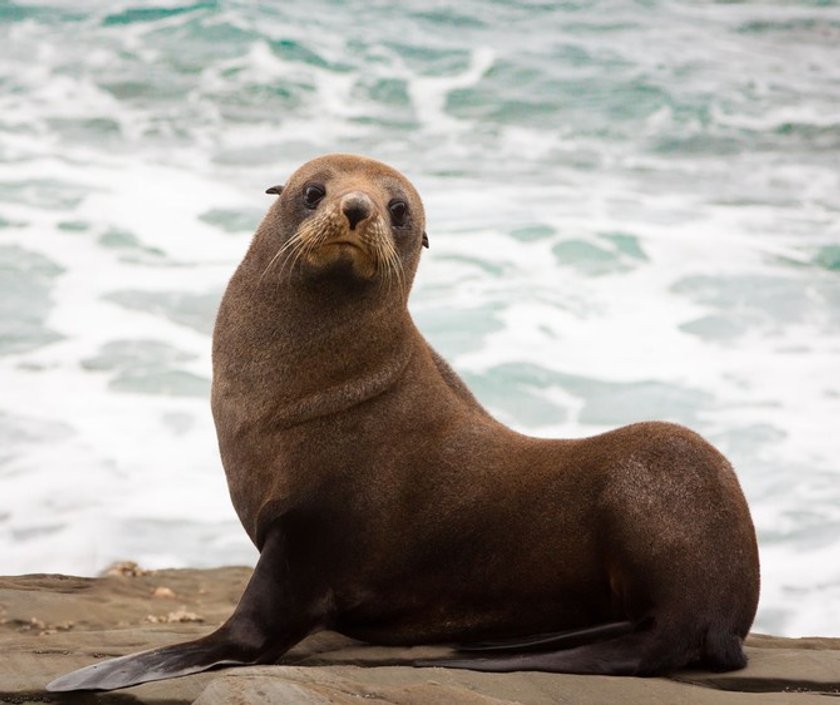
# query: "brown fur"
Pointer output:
{"type": "Point", "coordinates": [390, 506]}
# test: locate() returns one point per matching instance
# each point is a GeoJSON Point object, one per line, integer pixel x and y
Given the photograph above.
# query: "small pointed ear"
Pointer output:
{"type": "Point", "coordinates": [275, 189]}
{"type": "Point", "coordinates": [425, 240]}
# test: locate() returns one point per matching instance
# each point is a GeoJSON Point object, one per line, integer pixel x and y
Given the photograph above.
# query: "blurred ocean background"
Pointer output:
{"type": "Point", "coordinates": [633, 207]}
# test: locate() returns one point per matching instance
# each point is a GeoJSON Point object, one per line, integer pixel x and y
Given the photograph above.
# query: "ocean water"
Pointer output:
{"type": "Point", "coordinates": [633, 207]}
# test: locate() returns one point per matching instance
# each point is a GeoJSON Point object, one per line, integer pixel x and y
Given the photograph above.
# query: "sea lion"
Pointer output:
{"type": "Point", "coordinates": [388, 505]}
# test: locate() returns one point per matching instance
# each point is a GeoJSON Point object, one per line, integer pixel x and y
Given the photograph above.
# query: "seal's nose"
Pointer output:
{"type": "Point", "coordinates": [356, 207]}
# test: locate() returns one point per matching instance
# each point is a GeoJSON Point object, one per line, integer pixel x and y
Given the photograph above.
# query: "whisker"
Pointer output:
{"type": "Point", "coordinates": [308, 235]}
{"type": "Point", "coordinates": [389, 262]}
{"type": "Point", "coordinates": [293, 256]}
{"type": "Point", "coordinates": [319, 230]}
{"type": "Point", "coordinates": [291, 243]}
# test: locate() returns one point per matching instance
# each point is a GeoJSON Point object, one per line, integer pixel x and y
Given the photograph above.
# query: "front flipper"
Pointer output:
{"type": "Point", "coordinates": [272, 616]}
{"type": "Point", "coordinates": [157, 664]}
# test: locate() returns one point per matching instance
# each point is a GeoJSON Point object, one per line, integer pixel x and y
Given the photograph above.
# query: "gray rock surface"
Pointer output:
{"type": "Point", "coordinates": [51, 624]}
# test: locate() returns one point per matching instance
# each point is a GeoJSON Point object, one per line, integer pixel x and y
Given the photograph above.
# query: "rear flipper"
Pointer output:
{"type": "Point", "coordinates": [271, 617]}
{"type": "Point", "coordinates": [553, 641]}
{"type": "Point", "coordinates": [647, 652]}
{"type": "Point", "coordinates": [620, 656]}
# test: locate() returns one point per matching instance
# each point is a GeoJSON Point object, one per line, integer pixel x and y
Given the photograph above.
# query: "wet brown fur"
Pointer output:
{"type": "Point", "coordinates": [390, 506]}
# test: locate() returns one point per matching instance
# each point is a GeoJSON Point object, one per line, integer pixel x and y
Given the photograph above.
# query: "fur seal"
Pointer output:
{"type": "Point", "coordinates": [388, 505]}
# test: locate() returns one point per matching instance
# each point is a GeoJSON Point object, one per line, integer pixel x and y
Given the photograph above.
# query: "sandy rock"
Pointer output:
{"type": "Point", "coordinates": [317, 686]}
{"type": "Point", "coordinates": [128, 569]}
{"type": "Point", "coordinates": [163, 592]}
{"type": "Point", "coordinates": [180, 615]}
{"type": "Point", "coordinates": [52, 624]}
{"type": "Point", "coordinates": [343, 685]}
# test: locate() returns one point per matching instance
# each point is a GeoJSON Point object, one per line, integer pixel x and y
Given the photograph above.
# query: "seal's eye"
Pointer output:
{"type": "Point", "coordinates": [313, 194]}
{"type": "Point", "coordinates": [398, 211]}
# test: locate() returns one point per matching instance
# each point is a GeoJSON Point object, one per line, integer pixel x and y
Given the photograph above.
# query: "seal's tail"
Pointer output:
{"type": "Point", "coordinates": [646, 652]}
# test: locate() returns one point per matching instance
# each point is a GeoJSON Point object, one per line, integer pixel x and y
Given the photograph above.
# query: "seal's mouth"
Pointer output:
{"type": "Point", "coordinates": [344, 243]}
{"type": "Point", "coordinates": [331, 241]}
{"type": "Point", "coordinates": [336, 237]}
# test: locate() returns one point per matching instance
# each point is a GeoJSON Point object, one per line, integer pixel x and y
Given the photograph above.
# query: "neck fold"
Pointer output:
{"type": "Point", "coordinates": [289, 351]}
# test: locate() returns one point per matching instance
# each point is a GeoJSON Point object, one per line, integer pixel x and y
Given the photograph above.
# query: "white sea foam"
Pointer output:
{"type": "Point", "coordinates": [625, 223]}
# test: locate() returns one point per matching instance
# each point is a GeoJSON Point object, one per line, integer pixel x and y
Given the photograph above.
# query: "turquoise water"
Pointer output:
{"type": "Point", "coordinates": [634, 212]}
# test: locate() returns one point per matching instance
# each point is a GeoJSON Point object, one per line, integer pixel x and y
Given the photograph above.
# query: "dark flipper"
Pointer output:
{"type": "Point", "coordinates": [554, 641]}
{"type": "Point", "coordinates": [269, 619]}
{"type": "Point", "coordinates": [648, 651]}
{"type": "Point", "coordinates": [168, 662]}
{"type": "Point", "coordinates": [624, 655]}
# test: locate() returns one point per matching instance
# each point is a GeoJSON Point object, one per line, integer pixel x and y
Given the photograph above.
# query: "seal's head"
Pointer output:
{"type": "Point", "coordinates": [347, 218]}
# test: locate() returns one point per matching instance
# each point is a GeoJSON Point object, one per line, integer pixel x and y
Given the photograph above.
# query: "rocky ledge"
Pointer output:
{"type": "Point", "coordinates": [51, 624]}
